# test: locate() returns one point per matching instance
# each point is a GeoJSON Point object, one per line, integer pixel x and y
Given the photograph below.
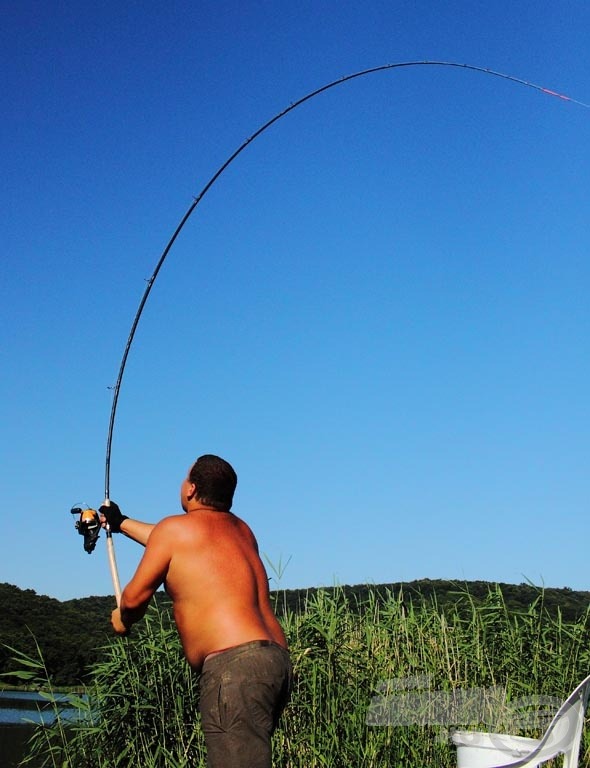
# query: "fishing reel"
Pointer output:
{"type": "Point", "coordinates": [87, 525]}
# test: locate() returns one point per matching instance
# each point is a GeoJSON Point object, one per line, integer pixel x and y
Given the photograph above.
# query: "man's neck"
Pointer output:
{"type": "Point", "coordinates": [197, 506]}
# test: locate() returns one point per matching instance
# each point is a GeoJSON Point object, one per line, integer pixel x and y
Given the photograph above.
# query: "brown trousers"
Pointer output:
{"type": "Point", "coordinates": [242, 693]}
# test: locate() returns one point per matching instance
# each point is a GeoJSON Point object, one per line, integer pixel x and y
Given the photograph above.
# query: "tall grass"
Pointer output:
{"type": "Point", "coordinates": [142, 708]}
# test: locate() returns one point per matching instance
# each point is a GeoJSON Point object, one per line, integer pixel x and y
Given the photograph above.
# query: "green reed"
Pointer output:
{"type": "Point", "coordinates": [143, 700]}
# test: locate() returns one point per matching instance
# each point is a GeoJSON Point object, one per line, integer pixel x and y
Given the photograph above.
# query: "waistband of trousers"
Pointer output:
{"type": "Point", "coordinates": [227, 654]}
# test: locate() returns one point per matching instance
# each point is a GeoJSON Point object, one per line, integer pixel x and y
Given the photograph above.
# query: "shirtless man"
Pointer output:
{"type": "Point", "coordinates": [208, 561]}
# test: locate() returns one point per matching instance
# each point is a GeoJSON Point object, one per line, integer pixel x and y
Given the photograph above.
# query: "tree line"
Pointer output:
{"type": "Point", "coordinates": [72, 635]}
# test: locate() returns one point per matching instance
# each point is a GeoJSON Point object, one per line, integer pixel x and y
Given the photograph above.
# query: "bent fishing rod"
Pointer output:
{"type": "Point", "coordinates": [196, 200]}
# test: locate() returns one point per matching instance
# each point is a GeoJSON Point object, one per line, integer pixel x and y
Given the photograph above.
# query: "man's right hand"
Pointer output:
{"type": "Point", "coordinates": [113, 516]}
{"type": "Point", "coordinates": [117, 622]}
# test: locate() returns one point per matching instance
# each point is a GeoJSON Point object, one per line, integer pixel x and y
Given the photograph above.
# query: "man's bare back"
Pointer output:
{"type": "Point", "coordinates": [220, 592]}
{"type": "Point", "coordinates": [209, 563]}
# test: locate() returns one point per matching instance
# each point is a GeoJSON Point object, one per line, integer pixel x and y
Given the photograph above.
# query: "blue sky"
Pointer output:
{"type": "Point", "coordinates": [379, 314]}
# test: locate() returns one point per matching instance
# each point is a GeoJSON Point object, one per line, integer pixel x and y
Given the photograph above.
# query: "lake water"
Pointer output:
{"type": "Point", "coordinates": [18, 712]}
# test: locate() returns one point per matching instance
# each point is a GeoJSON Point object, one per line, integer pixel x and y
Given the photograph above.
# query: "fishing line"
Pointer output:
{"type": "Point", "coordinates": [231, 158]}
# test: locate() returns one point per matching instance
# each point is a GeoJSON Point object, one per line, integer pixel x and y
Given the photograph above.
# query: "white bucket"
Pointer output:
{"type": "Point", "coordinates": [485, 750]}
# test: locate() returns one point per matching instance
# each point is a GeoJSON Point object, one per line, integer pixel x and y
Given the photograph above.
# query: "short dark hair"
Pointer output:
{"type": "Point", "coordinates": [215, 480]}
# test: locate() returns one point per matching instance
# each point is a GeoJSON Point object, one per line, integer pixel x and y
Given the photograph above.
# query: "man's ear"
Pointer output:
{"type": "Point", "coordinates": [192, 491]}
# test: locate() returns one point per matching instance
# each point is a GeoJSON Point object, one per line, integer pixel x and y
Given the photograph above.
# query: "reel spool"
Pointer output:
{"type": "Point", "coordinates": [87, 525]}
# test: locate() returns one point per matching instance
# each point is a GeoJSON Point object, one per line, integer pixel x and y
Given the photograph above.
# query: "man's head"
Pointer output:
{"type": "Point", "coordinates": [215, 482]}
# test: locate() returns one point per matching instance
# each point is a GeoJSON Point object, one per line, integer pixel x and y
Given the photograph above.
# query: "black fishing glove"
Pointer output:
{"type": "Point", "coordinates": [113, 516]}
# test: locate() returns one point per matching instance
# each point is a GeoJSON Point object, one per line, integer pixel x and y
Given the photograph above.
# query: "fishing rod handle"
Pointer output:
{"type": "Point", "coordinates": [112, 560]}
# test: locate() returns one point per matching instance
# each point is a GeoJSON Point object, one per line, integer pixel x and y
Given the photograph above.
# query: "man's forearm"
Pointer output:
{"type": "Point", "coordinates": [122, 618]}
{"type": "Point", "coordinates": [136, 530]}
{"type": "Point", "coordinates": [130, 610]}
{"type": "Point", "coordinates": [130, 616]}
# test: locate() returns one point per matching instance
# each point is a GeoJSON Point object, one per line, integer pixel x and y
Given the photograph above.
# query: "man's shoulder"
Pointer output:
{"type": "Point", "coordinates": [170, 525]}
{"type": "Point", "coordinates": [179, 527]}
{"type": "Point", "coordinates": [171, 521]}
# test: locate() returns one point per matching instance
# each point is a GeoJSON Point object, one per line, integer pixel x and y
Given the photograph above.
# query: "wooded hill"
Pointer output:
{"type": "Point", "coordinates": [71, 634]}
